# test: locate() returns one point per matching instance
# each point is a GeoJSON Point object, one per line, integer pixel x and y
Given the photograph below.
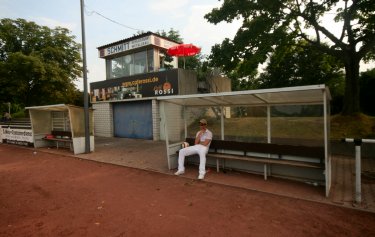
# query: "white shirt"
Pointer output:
{"type": "Point", "coordinates": [206, 135]}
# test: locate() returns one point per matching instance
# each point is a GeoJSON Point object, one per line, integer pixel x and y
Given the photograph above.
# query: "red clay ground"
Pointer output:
{"type": "Point", "coordinates": [51, 195]}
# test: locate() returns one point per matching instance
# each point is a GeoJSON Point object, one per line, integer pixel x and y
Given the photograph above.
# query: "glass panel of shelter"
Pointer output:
{"type": "Point", "coordinates": [290, 124]}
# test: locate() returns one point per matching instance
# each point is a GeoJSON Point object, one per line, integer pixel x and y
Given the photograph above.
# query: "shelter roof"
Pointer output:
{"type": "Point", "coordinates": [135, 37]}
{"type": "Point", "coordinates": [57, 107]}
{"type": "Point", "coordinates": [313, 94]}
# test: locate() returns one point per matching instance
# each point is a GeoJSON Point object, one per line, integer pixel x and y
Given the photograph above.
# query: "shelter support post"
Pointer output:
{"type": "Point", "coordinates": [268, 124]}
{"type": "Point", "coordinates": [265, 171]}
{"type": "Point", "coordinates": [185, 124]}
{"type": "Point", "coordinates": [222, 122]}
{"type": "Point", "coordinates": [358, 196]}
{"type": "Point", "coordinates": [327, 158]}
{"type": "Point", "coordinates": [222, 133]}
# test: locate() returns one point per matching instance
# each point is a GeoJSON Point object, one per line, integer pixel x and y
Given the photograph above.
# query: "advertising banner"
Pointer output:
{"type": "Point", "coordinates": [138, 86]}
{"type": "Point", "coordinates": [125, 46]}
{"type": "Point", "coordinates": [128, 45]}
{"type": "Point", "coordinates": [17, 136]}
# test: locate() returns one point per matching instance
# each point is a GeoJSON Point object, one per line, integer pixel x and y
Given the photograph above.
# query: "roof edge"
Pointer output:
{"type": "Point", "coordinates": [136, 37]}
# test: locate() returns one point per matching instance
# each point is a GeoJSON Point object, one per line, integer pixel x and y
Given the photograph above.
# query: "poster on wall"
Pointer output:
{"type": "Point", "coordinates": [137, 86]}
{"type": "Point", "coordinates": [17, 136]}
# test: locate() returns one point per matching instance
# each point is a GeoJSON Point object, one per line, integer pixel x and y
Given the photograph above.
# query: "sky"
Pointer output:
{"type": "Point", "coordinates": [185, 16]}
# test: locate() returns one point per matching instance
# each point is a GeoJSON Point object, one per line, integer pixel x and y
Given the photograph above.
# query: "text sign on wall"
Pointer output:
{"type": "Point", "coordinates": [137, 86]}
{"type": "Point", "coordinates": [137, 43]}
{"type": "Point", "coordinates": [119, 48]}
{"type": "Point", "coordinates": [18, 136]}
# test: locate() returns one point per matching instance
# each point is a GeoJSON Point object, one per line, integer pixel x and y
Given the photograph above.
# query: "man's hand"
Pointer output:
{"type": "Point", "coordinates": [198, 138]}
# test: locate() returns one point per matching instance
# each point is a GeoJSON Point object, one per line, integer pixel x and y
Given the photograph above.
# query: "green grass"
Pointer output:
{"type": "Point", "coordinates": [356, 126]}
{"type": "Point", "coordinates": [19, 114]}
{"type": "Point", "coordinates": [309, 128]}
{"type": "Point", "coordinates": [282, 127]}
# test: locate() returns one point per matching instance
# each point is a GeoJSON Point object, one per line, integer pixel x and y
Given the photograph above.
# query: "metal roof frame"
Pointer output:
{"type": "Point", "coordinates": [56, 107]}
{"type": "Point", "coordinates": [276, 96]}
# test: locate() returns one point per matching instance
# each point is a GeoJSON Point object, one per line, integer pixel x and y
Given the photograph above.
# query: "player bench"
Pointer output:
{"type": "Point", "coordinates": [60, 137]}
{"type": "Point", "coordinates": [266, 154]}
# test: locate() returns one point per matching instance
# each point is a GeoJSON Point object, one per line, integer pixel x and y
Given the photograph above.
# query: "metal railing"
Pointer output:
{"type": "Point", "coordinates": [358, 142]}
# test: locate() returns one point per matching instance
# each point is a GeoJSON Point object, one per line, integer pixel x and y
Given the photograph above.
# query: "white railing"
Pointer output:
{"type": "Point", "coordinates": [358, 142]}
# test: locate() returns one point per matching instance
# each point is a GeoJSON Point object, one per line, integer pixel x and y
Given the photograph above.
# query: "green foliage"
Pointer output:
{"type": "Point", "coordinates": [268, 24]}
{"type": "Point", "coordinates": [247, 82]}
{"type": "Point", "coordinates": [172, 35]}
{"type": "Point", "coordinates": [367, 85]}
{"type": "Point", "coordinates": [192, 63]}
{"type": "Point", "coordinates": [300, 65]}
{"type": "Point", "coordinates": [38, 65]}
{"type": "Point", "coordinates": [354, 126]}
{"type": "Point", "coordinates": [19, 114]}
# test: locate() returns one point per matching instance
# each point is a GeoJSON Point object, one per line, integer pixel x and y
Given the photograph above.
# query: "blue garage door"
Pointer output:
{"type": "Point", "coordinates": [133, 119]}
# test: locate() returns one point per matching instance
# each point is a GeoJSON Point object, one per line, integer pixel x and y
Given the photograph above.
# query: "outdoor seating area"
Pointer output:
{"type": "Point", "coordinates": [279, 132]}
{"type": "Point", "coordinates": [60, 126]}
{"type": "Point", "coordinates": [60, 137]}
{"type": "Point", "coordinates": [264, 153]}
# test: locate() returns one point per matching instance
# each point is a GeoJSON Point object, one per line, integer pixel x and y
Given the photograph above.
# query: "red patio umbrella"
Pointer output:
{"type": "Point", "coordinates": [183, 50]}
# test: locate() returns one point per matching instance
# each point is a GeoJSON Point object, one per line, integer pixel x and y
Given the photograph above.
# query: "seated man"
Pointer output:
{"type": "Point", "coordinates": [202, 143]}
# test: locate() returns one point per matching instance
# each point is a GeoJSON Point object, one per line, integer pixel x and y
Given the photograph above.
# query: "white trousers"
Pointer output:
{"type": "Point", "coordinates": [193, 150]}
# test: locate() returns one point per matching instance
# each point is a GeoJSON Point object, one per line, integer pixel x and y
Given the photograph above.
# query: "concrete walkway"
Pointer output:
{"type": "Point", "coordinates": [151, 156]}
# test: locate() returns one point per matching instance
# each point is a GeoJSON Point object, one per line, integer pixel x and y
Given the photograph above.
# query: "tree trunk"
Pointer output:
{"type": "Point", "coordinates": [351, 97]}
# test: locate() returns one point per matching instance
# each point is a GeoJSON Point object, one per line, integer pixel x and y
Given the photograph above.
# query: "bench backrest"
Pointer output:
{"type": "Point", "coordinates": [268, 148]}
{"type": "Point", "coordinates": [62, 133]}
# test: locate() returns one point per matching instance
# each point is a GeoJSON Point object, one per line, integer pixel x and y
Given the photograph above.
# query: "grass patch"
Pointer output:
{"type": "Point", "coordinates": [357, 126]}
{"type": "Point", "coordinates": [354, 126]}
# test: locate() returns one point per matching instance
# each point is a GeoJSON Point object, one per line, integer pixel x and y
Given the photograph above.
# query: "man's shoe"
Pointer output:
{"type": "Point", "coordinates": [201, 176]}
{"type": "Point", "coordinates": [179, 172]}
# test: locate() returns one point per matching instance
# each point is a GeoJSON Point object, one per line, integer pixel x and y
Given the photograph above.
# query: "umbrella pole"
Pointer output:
{"type": "Point", "coordinates": [184, 62]}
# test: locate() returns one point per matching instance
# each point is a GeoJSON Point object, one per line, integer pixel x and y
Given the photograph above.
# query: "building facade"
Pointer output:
{"type": "Point", "coordinates": [137, 73]}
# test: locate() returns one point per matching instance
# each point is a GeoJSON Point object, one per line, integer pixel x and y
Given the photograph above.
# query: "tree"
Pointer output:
{"type": "Point", "coordinates": [270, 23]}
{"type": "Point", "coordinates": [299, 65]}
{"type": "Point", "coordinates": [367, 85]}
{"type": "Point", "coordinates": [38, 65]}
{"type": "Point", "coordinates": [192, 63]}
{"type": "Point", "coordinates": [198, 62]}
{"type": "Point", "coordinates": [173, 35]}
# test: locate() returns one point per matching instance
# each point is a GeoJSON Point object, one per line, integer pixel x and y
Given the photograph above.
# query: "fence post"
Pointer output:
{"type": "Point", "coordinates": [358, 196]}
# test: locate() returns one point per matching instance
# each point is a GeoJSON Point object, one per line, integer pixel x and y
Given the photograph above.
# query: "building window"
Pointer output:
{"type": "Point", "coordinates": [150, 60]}
{"type": "Point", "coordinates": [140, 62]}
{"type": "Point", "coordinates": [131, 64]}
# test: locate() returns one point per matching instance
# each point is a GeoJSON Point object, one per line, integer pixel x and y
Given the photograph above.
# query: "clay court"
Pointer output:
{"type": "Point", "coordinates": [54, 194]}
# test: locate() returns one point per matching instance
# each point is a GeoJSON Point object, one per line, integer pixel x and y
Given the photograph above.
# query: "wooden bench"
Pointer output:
{"type": "Point", "coordinates": [266, 153]}
{"type": "Point", "coordinates": [60, 136]}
